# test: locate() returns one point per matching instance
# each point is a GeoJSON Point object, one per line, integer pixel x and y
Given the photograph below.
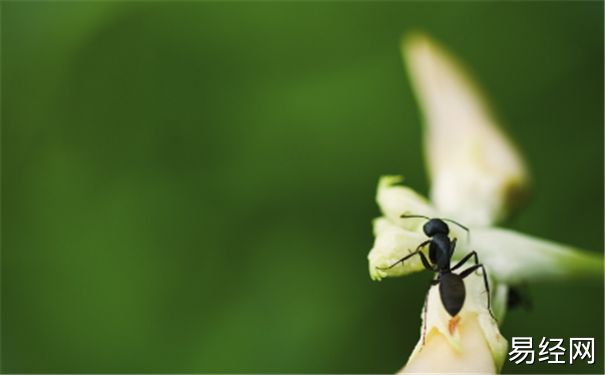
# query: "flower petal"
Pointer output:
{"type": "Point", "coordinates": [515, 258]}
{"type": "Point", "coordinates": [396, 200]}
{"type": "Point", "coordinates": [439, 356]}
{"type": "Point", "coordinates": [438, 323]}
{"type": "Point", "coordinates": [477, 174]}
{"type": "Point", "coordinates": [391, 244]}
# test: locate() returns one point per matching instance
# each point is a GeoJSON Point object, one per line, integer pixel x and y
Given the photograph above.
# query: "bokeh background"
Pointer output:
{"type": "Point", "coordinates": [188, 187]}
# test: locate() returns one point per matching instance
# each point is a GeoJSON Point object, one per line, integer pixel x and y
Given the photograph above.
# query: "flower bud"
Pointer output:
{"type": "Point", "coordinates": [477, 174]}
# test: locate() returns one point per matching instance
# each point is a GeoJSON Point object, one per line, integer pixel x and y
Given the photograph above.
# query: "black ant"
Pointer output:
{"type": "Point", "coordinates": [441, 249]}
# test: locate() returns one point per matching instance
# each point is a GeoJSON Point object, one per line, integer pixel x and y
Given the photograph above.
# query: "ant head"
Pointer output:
{"type": "Point", "coordinates": [434, 226]}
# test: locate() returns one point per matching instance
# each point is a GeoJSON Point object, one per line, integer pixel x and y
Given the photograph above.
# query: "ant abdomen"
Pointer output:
{"type": "Point", "coordinates": [453, 293]}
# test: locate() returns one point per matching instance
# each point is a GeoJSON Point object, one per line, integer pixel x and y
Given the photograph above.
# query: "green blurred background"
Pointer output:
{"type": "Point", "coordinates": [189, 187]}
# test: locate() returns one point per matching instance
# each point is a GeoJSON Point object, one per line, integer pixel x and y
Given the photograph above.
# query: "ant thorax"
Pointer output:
{"type": "Point", "coordinates": [439, 251]}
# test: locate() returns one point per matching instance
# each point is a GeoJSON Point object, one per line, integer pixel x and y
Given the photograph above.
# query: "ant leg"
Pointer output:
{"type": "Point", "coordinates": [426, 303]}
{"type": "Point", "coordinates": [426, 306]}
{"type": "Point", "coordinates": [423, 244]}
{"type": "Point", "coordinates": [408, 256]}
{"type": "Point", "coordinates": [425, 262]}
{"type": "Point", "coordinates": [470, 270]}
{"type": "Point", "coordinates": [465, 259]}
{"type": "Point", "coordinates": [399, 261]}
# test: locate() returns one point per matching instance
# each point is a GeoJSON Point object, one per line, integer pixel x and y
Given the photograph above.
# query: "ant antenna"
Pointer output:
{"type": "Point", "coordinates": [458, 224]}
{"type": "Point", "coordinates": [411, 216]}
{"type": "Point", "coordinates": [468, 232]}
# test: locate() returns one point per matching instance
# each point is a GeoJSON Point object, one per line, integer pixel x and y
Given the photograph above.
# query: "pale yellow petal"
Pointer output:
{"type": "Point", "coordinates": [395, 200]}
{"type": "Point", "coordinates": [438, 323]}
{"type": "Point", "coordinates": [391, 244]}
{"type": "Point", "coordinates": [477, 174]}
{"type": "Point", "coordinates": [439, 356]}
{"type": "Point", "coordinates": [516, 258]}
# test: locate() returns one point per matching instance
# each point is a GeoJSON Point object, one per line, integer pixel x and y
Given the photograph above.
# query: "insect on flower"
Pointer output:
{"type": "Point", "coordinates": [441, 249]}
{"type": "Point", "coordinates": [478, 176]}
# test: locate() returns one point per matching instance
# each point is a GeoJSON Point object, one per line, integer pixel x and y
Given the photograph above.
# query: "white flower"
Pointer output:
{"type": "Point", "coordinates": [476, 172]}
{"type": "Point", "coordinates": [478, 179]}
